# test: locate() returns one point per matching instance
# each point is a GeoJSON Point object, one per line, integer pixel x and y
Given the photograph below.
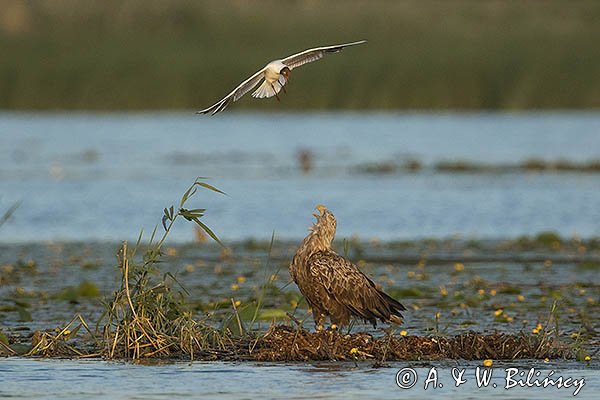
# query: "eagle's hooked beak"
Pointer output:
{"type": "Point", "coordinates": [320, 208]}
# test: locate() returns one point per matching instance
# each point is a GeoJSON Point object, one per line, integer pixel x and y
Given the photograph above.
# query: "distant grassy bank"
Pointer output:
{"type": "Point", "coordinates": [151, 54]}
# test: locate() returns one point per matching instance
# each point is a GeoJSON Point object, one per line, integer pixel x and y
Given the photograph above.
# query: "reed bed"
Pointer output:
{"type": "Point", "coordinates": [184, 54]}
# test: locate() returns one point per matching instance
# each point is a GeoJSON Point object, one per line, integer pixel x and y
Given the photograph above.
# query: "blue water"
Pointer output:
{"type": "Point", "coordinates": [106, 176]}
{"type": "Point", "coordinates": [72, 379]}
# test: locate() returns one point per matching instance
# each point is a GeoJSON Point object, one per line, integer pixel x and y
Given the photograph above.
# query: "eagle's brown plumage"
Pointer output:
{"type": "Point", "coordinates": [332, 285]}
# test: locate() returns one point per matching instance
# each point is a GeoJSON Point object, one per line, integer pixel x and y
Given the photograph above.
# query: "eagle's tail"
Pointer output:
{"type": "Point", "coordinates": [395, 307]}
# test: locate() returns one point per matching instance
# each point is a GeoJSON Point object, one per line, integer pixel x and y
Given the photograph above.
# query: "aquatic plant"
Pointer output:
{"type": "Point", "coordinates": [9, 212]}
{"type": "Point", "coordinates": [148, 317]}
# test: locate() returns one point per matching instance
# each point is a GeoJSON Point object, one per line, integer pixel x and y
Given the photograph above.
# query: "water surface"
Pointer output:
{"type": "Point", "coordinates": [105, 176]}
{"type": "Point", "coordinates": [72, 379]}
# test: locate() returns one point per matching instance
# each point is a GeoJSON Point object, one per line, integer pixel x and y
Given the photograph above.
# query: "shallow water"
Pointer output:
{"type": "Point", "coordinates": [69, 379]}
{"type": "Point", "coordinates": [105, 176]}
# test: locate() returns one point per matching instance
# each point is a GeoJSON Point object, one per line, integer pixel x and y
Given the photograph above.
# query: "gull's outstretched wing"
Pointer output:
{"type": "Point", "coordinates": [315, 54]}
{"type": "Point", "coordinates": [235, 94]}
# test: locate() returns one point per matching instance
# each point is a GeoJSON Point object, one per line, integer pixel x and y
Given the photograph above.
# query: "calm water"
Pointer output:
{"type": "Point", "coordinates": [66, 379]}
{"type": "Point", "coordinates": [105, 176]}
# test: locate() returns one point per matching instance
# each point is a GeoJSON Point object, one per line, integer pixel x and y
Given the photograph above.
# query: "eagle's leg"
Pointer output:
{"type": "Point", "coordinates": [319, 318]}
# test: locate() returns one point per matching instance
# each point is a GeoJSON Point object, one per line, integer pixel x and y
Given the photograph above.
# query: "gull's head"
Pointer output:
{"type": "Point", "coordinates": [285, 71]}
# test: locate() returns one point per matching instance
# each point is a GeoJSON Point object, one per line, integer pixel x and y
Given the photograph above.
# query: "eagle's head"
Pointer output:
{"type": "Point", "coordinates": [325, 226]}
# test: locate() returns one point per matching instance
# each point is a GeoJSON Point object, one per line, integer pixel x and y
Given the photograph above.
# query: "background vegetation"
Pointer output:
{"type": "Point", "coordinates": [153, 54]}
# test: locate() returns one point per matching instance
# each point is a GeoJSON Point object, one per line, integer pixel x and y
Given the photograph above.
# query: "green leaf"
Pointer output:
{"type": "Point", "coordinates": [24, 315]}
{"type": "Point", "coordinates": [153, 234]}
{"type": "Point", "coordinates": [198, 210]}
{"type": "Point", "coordinates": [73, 332]}
{"type": "Point", "coordinates": [190, 192]}
{"type": "Point", "coordinates": [170, 275]}
{"type": "Point", "coordinates": [211, 187]}
{"type": "Point", "coordinates": [3, 338]}
{"type": "Point", "coordinates": [208, 231]}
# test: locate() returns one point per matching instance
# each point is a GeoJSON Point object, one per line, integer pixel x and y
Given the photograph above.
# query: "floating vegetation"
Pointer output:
{"type": "Point", "coordinates": [72, 294]}
{"type": "Point", "coordinates": [589, 265]}
{"type": "Point", "coordinates": [475, 167]}
{"type": "Point", "coordinates": [237, 313]}
{"type": "Point", "coordinates": [284, 343]}
{"type": "Point", "coordinates": [56, 343]}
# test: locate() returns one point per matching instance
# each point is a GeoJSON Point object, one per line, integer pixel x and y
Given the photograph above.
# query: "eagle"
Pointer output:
{"type": "Point", "coordinates": [333, 286]}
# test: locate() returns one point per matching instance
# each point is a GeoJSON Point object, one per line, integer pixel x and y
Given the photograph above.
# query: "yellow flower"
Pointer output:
{"type": "Point", "coordinates": [67, 332]}
{"type": "Point", "coordinates": [582, 291]}
{"type": "Point", "coordinates": [235, 287]}
{"type": "Point", "coordinates": [294, 303]}
{"type": "Point", "coordinates": [237, 303]}
{"type": "Point", "coordinates": [588, 358]}
{"type": "Point", "coordinates": [509, 319]}
{"type": "Point", "coordinates": [520, 297]}
{"type": "Point", "coordinates": [443, 291]}
{"type": "Point", "coordinates": [546, 360]}
{"type": "Point", "coordinates": [241, 279]}
{"type": "Point", "coordinates": [539, 327]}
{"type": "Point", "coordinates": [488, 363]}
{"type": "Point", "coordinates": [353, 350]}
{"type": "Point", "coordinates": [493, 292]}
{"type": "Point", "coordinates": [590, 300]}
{"type": "Point", "coordinates": [498, 312]}
{"type": "Point", "coordinates": [8, 268]}
{"type": "Point", "coordinates": [172, 251]}
{"type": "Point", "coordinates": [458, 267]}
{"type": "Point", "coordinates": [438, 315]}
{"type": "Point", "coordinates": [403, 333]}
{"type": "Point", "coordinates": [410, 274]}
{"type": "Point", "coordinates": [481, 292]}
